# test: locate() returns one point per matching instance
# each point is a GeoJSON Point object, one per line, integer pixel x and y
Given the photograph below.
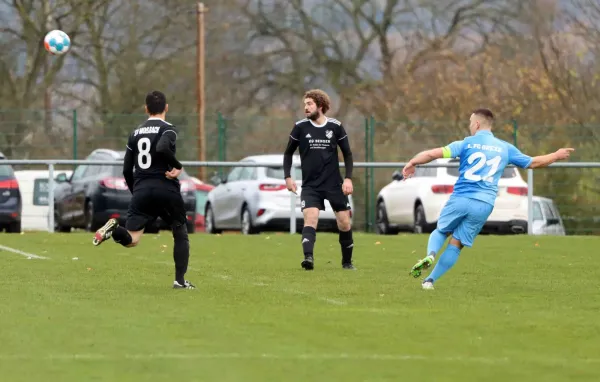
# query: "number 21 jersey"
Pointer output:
{"type": "Point", "coordinates": [483, 158]}
{"type": "Point", "coordinates": [150, 166]}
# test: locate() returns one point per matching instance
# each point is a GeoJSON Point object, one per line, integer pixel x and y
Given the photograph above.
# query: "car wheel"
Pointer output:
{"type": "Point", "coordinates": [57, 226]}
{"type": "Point", "coordinates": [247, 226]}
{"type": "Point", "coordinates": [209, 221]}
{"type": "Point", "coordinates": [382, 224]}
{"type": "Point", "coordinates": [14, 227]}
{"type": "Point", "coordinates": [420, 222]}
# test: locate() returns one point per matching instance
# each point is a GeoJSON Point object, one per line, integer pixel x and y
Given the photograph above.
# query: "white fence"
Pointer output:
{"type": "Point", "coordinates": [51, 163]}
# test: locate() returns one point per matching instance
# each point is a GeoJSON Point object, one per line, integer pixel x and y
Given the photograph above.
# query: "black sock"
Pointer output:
{"type": "Point", "coordinates": [181, 252]}
{"type": "Point", "coordinates": [347, 244]}
{"type": "Point", "coordinates": [122, 236]}
{"type": "Point", "coordinates": [309, 236]}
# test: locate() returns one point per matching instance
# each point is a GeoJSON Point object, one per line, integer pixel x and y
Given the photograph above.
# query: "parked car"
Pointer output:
{"type": "Point", "coordinates": [34, 193]}
{"type": "Point", "coordinates": [202, 190]}
{"type": "Point", "coordinates": [546, 218]}
{"type": "Point", "coordinates": [254, 199]}
{"type": "Point", "coordinates": [11, 205]}
{"type": "Point", "coordinates": [415, 203]}
{"type": "Point", "coordinates": [94, 194]}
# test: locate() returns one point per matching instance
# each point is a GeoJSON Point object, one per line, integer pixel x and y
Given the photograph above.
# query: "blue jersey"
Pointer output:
{"type": "Point", "coordinates": [483, 158]}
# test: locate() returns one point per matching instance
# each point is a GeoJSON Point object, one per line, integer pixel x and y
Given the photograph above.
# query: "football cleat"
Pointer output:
{"type": "Point", "coordinates": [105, 232]}
{"type": "Point", "coordinates": [308, 263]}
{"type": "Point", "coordinates": [349, 266]}
{"type": "Point", "coordinates": [186, 285]}
{"type": "Point", "coordinates": [427, 284]}
{"type": "Point", "coordinates": [420, 265]}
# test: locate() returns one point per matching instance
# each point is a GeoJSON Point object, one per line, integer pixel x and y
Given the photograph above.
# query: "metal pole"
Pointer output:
{"type": "Point", "coordinates": [529, 201]}
{"type": "Point", "coordinates": [200, 90]}
{"type": "Point", "coordinates": [293, 204]}
{"type": "Point", "coordinates": [50, 198]}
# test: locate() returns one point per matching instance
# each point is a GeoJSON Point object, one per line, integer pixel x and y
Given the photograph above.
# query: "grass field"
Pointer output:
{"type": "Point", "coordinates": [512, 309]}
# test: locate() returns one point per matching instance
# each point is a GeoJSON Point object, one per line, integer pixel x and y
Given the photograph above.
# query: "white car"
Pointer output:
{"type": "Point", "coordinates": [415, 203]}
{"type": "Point", "coordinates": [254, 199]}
{"type": "Point", "coordinates": [34, 192]}
{"type": "Point", "coordinates": [546, 218]}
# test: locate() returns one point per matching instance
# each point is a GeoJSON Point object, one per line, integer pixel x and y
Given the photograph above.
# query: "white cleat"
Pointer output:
{"type": "Point", "coordinates": [427, 285]}
{"type": "Point", "coordinates": [105, 232]}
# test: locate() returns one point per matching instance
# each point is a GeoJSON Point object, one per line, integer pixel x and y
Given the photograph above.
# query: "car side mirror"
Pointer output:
{"type": "Point", "coordinates": [397, 175]}
{"type": "Point", "coordinates": [61, 178]}
{"type": "Point", "coordinates": [218, 179]}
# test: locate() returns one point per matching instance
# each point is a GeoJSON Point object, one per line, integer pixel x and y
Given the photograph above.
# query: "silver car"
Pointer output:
{"type": "Point", "coordinates": [546, 218]}
{"type": "Point", "coordinates": [254, 199]}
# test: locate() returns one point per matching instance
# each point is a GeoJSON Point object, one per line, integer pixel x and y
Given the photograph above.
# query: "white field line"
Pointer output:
{"type": "Point", "coordinates": [297, 357]}
{"type": "Point", "coordinates": [19, 252]}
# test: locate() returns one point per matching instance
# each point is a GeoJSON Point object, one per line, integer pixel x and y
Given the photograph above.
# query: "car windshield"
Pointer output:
{"type": "Point", "coordinates": [277, 173]}
{"type": "Point", "coordinates": [6, 170]}
{"type": "Point", "coordinates": [509, 172]}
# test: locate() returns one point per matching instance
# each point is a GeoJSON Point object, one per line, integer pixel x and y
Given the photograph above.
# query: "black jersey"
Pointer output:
{"type": "Point", "coordinates": [318, 153]}
{"type": "Point", "coordinates": [151, 152]}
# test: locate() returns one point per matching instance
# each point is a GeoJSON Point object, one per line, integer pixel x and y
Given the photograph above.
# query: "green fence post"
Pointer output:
{"type": "Point", "coordinates": [371, 199]}
{"type": "Point", "coordinates": [515, 130]}
{"type": "Point", "coordinates": [74, 134]}
{"type": "Point", "coordinates": [367, 136]}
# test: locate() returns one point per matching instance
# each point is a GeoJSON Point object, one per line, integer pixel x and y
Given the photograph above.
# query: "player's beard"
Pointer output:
{"type": "Point", "coordinates": [314, 115]}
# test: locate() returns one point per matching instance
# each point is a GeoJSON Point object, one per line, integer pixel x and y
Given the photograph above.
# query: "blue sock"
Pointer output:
{"type": "Point", "coordinates": [446, 261]}
{"type": "Point", "coordinates": [436, 242]}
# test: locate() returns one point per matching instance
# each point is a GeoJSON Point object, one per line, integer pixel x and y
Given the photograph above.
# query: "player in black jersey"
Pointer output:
{"type": "Point", "coordinates": [156, 190]}
{"type": "Point", "coordinates": [318, 138]}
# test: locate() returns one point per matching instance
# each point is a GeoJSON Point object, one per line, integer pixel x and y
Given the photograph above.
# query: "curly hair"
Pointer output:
{"type": "Point", "coordinates": [320, 97]}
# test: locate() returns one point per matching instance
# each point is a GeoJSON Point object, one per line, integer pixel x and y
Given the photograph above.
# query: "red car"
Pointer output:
{"type": "Point", "coordinates": [202, 190]}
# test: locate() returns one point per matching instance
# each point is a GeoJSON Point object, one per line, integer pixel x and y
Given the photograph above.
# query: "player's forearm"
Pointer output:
{"type": "Point", "coordinates": [543, 160]}
{"type": "Point", "coordinates": [348, 159]}
{"type": "Point", "coordinates": [423, 157]}
{"type": "Point", "coordinates": [288, 156]}
{"type": "Point", "coordinates": [164, 148]}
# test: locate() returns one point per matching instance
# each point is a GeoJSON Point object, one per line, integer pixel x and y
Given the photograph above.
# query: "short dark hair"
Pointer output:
{"type": "Point", "coordinates": [485, 113]}
{"type": "Point", "coordinates": [320, 97]}
{"type": "Point", "coordinates": [156, 102]}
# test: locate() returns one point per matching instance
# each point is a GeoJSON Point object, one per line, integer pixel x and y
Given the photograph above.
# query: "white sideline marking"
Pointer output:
{"type": "Point", "coordinates": [18, 252]}
{"type": "Point", "coordinates": [297, 357]}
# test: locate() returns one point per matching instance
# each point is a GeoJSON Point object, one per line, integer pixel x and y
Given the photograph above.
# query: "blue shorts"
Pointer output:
{"type": "Point", "coordinates": [464, 218]}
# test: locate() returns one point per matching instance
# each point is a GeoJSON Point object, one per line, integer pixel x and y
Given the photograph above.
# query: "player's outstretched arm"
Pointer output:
{"type": "Point", "coordinates": [548, 159]}
{"type": "Point", "coordinates": [422, 158]}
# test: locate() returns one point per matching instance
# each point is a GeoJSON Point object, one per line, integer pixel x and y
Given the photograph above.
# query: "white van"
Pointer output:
{"type": "Point", "coordinates": [34, 192]}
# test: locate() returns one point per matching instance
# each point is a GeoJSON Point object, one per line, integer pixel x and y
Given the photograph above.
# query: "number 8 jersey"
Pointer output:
{"type": "Point", "coordinates": [151, 151]}
{"type": "Point", "coordinates": [483, 158]}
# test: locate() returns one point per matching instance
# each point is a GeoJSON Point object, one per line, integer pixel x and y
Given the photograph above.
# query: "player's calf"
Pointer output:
{"type": "Point", "coordinates": [345, 238]}
{"type": "Point", "coordinates": [181, 252]}
{"type": "Point", "coordinates": [309, 236]}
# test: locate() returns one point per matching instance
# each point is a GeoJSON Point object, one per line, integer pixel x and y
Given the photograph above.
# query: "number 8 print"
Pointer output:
{"type": "Point", "coordinates": [144, 157]}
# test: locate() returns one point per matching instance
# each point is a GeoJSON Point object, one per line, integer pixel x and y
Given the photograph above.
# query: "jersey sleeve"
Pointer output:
{"type": "Point", "coordinates": [295, 134]}
{"type": "Point", "coordinates": [341, 133]}
{"type": "Point", "coordinates": [453, 150]}
{"type": "Point", "coordinates": [517, 158]}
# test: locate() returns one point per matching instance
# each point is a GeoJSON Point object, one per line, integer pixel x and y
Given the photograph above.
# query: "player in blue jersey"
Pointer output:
{"type": "Point", "coordinates": [483, 158]}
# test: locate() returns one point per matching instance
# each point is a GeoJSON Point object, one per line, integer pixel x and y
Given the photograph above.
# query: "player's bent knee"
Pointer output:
{"type": "Point", "coordinates": [180, 232]}
{"type": "Point", "coordinates": [455, 242]}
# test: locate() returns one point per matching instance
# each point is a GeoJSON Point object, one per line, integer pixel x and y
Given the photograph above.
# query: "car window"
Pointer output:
{"type": "Point", "coordinates": [78, 173]}
{"type": "Point", "coordinates": [548, 211]}
{"type": "Point", "coordinates": [247, 173]}
{"type": "Point", "coordinates": [422, 172]}
{"type": "Point", "coordinates": [234, 175]}
{"type": "Point", "coordinates": [509, 172]}
{"type": "Point", "coordinates": [537, 211]}
{"type": "Point", "coordinates": [6, 170]}
{"type": "Point", "coordinates": [277, 173]}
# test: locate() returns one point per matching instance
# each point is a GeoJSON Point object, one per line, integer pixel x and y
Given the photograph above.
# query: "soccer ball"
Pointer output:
{"type": "Point", "coordinates": [57, 42]}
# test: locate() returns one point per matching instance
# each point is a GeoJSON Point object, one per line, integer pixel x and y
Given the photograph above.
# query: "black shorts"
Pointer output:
{"type": "Point", "coordinates": [311, 198]}
{"type": "Point", "coordinates": [149, 203]}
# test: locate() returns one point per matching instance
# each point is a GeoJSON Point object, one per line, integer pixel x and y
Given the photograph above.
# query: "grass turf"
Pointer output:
{"type": "Point", "coordinates": [513, 308]}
